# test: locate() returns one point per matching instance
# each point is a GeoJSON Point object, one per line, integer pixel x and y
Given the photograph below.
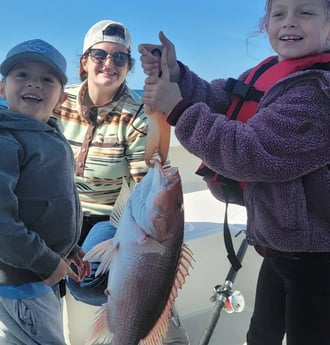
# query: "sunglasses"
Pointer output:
{"type": "Point", "coordinates": [99, 56]}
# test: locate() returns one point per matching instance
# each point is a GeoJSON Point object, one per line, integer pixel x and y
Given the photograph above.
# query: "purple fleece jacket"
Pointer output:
{"type": "Point", "coordinates": [283, 152]}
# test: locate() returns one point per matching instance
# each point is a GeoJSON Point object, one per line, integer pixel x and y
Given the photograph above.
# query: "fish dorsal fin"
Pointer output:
{"type": "Point", "coordinates": [185, 263]}
{"type": "Point", "coordinates": [158, 332]}
{"type": "Point", "coordinates": [119, 205]}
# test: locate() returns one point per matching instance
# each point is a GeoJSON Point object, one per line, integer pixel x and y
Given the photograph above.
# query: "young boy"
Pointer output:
{"type": "Point", "coordinates": [40, 215]}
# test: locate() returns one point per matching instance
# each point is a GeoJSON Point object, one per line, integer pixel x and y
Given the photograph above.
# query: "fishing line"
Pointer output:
{"type": "Point", "coordinates": [156, 52]}
{"type": "Point", "coordinates": [135, 116]}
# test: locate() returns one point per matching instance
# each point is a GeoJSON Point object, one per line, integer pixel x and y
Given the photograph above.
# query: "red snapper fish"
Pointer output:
{"type": "Point", "coordinates": [147, 262]}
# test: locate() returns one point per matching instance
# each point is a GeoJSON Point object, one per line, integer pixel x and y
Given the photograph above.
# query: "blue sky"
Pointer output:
{"type": "Point", "coordinates": [211, 36]}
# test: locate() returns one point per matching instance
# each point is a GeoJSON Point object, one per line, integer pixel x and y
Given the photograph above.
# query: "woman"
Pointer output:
{"type": "Point", "coordinates": [106, 127]}
{"type": "Point", "coordinates": [103, 122]}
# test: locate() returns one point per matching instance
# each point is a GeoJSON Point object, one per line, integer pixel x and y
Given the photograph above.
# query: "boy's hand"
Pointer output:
{"type": "Point", "coordinates": [83, 267]}
{"type": "Point", "coordinates": [64, 269]}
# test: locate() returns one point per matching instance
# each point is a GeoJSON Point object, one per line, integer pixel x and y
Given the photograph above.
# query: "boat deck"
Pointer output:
{"type": "Point", "coordinates": [203, 233]}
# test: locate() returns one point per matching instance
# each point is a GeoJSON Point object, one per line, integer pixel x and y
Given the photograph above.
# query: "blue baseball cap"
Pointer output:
{"type": "Point", "coordinates": [36, 50]}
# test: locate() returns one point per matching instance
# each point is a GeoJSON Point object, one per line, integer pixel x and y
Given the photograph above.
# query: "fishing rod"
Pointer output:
{"type": "Point", "coordinates": [225, 298]}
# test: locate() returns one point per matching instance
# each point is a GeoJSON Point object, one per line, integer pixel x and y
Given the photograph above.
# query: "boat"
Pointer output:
{"type": "Point", "coordinates": [204, 217]}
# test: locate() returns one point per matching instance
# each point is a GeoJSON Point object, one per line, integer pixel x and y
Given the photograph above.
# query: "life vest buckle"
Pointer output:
{"type": "Point", "coordinates": [239, 88]}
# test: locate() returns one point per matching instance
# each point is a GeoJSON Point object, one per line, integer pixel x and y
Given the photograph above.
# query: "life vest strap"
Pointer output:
{"type": "Point", "coordinates": [239, 88]}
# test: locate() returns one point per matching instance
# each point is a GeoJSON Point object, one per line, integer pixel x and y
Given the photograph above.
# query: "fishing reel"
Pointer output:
{"type": "Point", "coordinates": [233, 301]}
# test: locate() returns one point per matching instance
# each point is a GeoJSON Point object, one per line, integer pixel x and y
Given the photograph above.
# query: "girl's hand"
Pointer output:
{"type": "Point", "coordinates": [159, 92]}
{"type": "Point", "coordinates": [151, 64]}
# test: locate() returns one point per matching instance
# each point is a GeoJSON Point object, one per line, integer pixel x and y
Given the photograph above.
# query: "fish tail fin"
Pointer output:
{"type": "Point", "coordinates": [100, 332]}
{"type": "Point", "coordinates": [165, 137]}
{"type": "Point", "coordinates": [153, 137]}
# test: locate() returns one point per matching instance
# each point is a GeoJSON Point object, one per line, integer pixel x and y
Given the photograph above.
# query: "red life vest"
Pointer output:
{"type": "Point", "coordinates": [246, 97]}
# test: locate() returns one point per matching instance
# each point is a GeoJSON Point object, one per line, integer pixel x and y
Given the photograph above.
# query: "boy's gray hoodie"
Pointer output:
{"type": "Point", "coordinates": [40, 215]}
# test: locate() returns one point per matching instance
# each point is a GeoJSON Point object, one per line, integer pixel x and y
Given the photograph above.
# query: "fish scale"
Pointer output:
{"type": "Point", "coordinates": [147, 262]}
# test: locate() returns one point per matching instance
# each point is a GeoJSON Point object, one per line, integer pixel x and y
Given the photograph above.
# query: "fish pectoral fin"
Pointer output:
{"type": "Point", "coordinates": [97, 252]}
{"type": "Point", "coordinates": [100, 331]}
{"type": "Point", "coordinates": [103, 253]}
{"type": "Point", "coordinates": [150, 245]}
{"type": "Point", "coordinates": [106, 260]}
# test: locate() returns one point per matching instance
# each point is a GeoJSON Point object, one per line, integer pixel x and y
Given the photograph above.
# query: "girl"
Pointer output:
{"type": "Point", "coordinates": [282, 153]}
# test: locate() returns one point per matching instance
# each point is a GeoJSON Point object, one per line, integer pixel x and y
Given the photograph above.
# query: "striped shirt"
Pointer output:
{"type": "Point", "coordinates": [108, 143]}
